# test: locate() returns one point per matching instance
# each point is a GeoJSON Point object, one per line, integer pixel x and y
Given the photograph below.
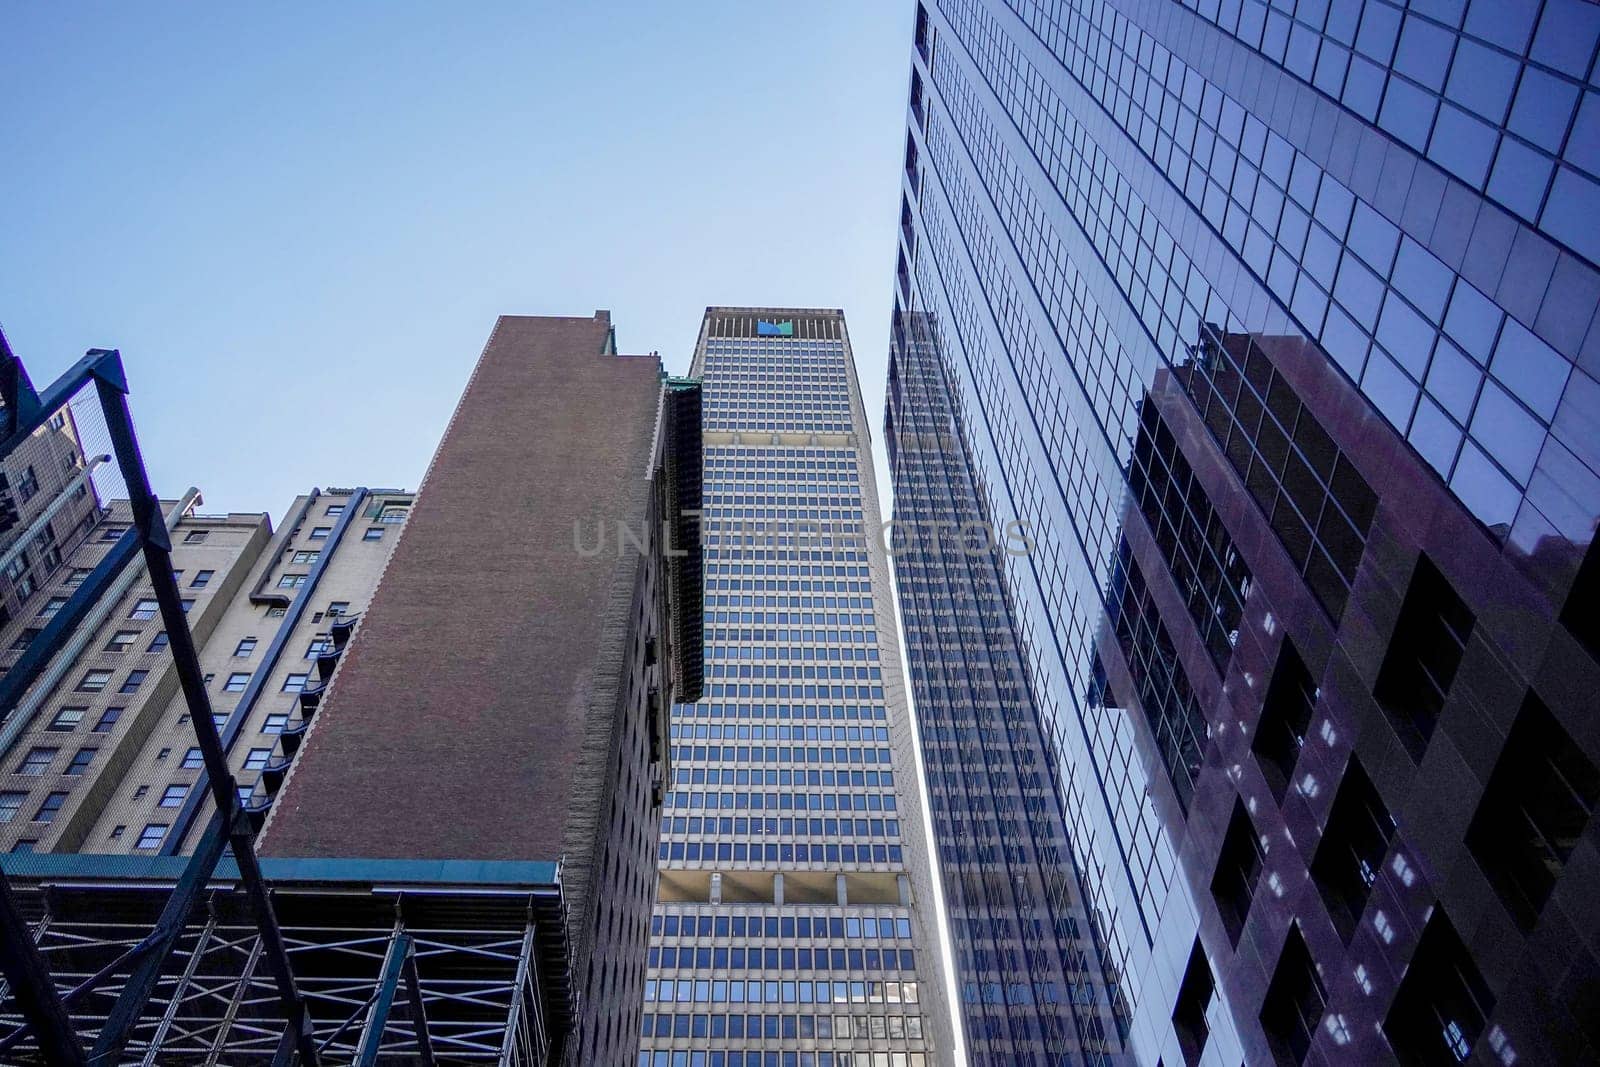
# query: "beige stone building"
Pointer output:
{"type": "Point", "coordinates": [100, 755]}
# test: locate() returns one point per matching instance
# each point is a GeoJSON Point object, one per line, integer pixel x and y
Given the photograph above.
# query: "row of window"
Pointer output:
{"type": "Point", "coordinates": [737, 800]}
{"type": "Point", "coordinates": [783, 1027]}
{"type": "Point", "coordinates": [797, 692]}
{"type": "Point", "coordinates": [735, 991]}
{"type": "Point", "coordinates": [721, 1058]}
{"type": "Point", "coordinates": [781, 733]}
{"type": "Point", "coordinates": [761, 711]}
{"type": "Point", "coordinates": [771, 754]}
{"type": "Point", "coordinates": [788, 959]}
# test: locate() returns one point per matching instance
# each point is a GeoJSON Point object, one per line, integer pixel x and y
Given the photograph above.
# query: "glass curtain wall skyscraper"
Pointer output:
{"type": "Point", "coordinates": [1036, 987]}
{"type": "Point", "coordinates": [794, 923]}
{"type": "Point", "coordinates": [1276, 324]}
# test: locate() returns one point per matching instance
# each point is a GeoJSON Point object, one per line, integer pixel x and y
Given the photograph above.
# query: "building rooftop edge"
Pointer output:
{"type": "Point", "coordinates": [285, 869]}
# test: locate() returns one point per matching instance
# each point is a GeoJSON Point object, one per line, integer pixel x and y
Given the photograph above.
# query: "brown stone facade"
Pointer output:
{"type": "Point", "coordinates": [507, 693]}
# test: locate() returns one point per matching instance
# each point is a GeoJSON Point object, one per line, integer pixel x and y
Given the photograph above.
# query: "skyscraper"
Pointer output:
{"type": "Point", "coordinates": [1033, 982]}
{"type": "Point", "coordinates": [794, 917]}
{"type": "Point", "coordinates": [1278, 329]}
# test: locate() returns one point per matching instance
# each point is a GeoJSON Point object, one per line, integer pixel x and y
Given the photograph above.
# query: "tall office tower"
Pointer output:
{"type": "Point", "coordinates": [794, 915]}
{"type": "Point", "coordinates": [1277, 327]}
{"type": "Point", "coordinates": [1034, 986]}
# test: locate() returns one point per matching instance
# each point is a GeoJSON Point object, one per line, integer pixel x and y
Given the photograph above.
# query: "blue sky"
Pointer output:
{"type": "Point", "coordinates": [299, 221]}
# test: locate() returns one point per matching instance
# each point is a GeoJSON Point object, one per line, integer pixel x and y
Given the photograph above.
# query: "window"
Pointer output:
{"type": "Point", "coordinates": [192, 759]}
{"type": "Point", "coordinates": [27, 844]}
{"type": "Point", "coordinates": [1285, 719]}
{"type": "Point", "coordinates": [18, 565]}
{"type": "Point", "coordinates": [80, 761]}
{"type": "Point", "coordinates": [320, 533]}
{"type": "Point", "coordinates": [146, 608]}
{"type": "Point", "coordinates": [173, 796]}
{"type": "Point", "coordinates": [1442, 1004]}
{"type": "Point", "coordinates": [275, 723]}
{"type": "Point", "coordinates": [294, 683]}
{"type": "Point", "coordinates": [121, 641]}
{"type": "Point", "coordinates": [25, 638]}
{"type": "Point", "coordinates": [291, 581]}
{"type": "Point", "coordinates": [201, 579]}
{"type": "Point", "coordinates": [108, 719]}
{"type": "Point", "coordinates": [94, 681]}
{"type": "Point", "coordinates": [75, 577]}
{"type": "Point", "coordinates": [1424, 652]}
{"type": "Point", "coordinates": [1579, 614]}
{"type": "Point", "coordinates": [195, 537]}
{"type": "Point", "coordinates": [338, 609]}
{"type": "Point", "coordinates": [304, 556]}
{"type": "Point", "coordinates": [1238, 869]}
{"type": "Point", "coordinates": [186, 605]}
{"type": "Point", "coordinates": [319, 644]}
{"type": "Point", "coordinates": [236, 682]}
{"type": "Point", "coordinates": [51, 606]}
{"type": "Point", "coordinates": [113, 533]}
{"type": "Point", "coordinates": [392, 513]}
{"type": "Point", "coordinates": [245, 648]}
{"type": "Point", "coordinates": [133, 681]}
{"type": "Point", "coordinates": [1295, 999]}
{"type": "Point", "coordinates": [1352, 848]}
{"type": "Point", "coordinates": [52, 804]}
{"type": "Point", "coordinates": [256, 758]}
{"type": "Point", "coordinates": [11, 803]}
{"type": "Point", "coordinates": [372, 533]}
{"type": "Point", "coordinates": [67, 719]}
{"type": "Point", "coordinates": [151, 835]}
{"type": "Point", "coordinates": [1533, 812]}
{"type": "Point", "coordinates": [334, 511]}
{"type": "Point", "coordinates": [37, 761]}
{"type": "Point", "coordinates": [1194, 997]}
{"type": "Point", "coordinates": [158, 643]}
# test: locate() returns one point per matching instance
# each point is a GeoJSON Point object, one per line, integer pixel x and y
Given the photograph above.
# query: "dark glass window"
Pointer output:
{"type": "Point", "coordinates": [1424, 652]}
{"type": "Point", "coordinates": [1538, 802]}
{"type": "Point", "coordinates": [1316, 502]}
{"type": "Point", "coordinates": [1442, 1004]}
{"type": "Point", "coordinates": [1199, 551]}
{"type": "Point", "coordinates": [1169, 702]}
{"type": "Point", "coordinates": [1285, 718]}
{"type": "Point", "coordinates": [1293, 1009]}
{"type": "Point", "coordinates": [1238, 869]}
{"type": "Point", "coordinates": [1581, 615]}
{"type": "Point", "coordinates": [1352, 848]}
{"type": "Point", "coordinates": [1189, 1014]}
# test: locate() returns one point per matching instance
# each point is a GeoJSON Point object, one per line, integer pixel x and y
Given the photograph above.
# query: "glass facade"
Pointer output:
{"type": "Point", "coordinates": [1274, 323]}
{"type": "Point", "coordinates": [794, 889]}
{"type": "Point", "coordinates": [1036, 986]}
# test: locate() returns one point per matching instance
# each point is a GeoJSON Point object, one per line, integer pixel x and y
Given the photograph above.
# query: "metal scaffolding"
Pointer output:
{"type": "Point", "coordinates": [395, 961]}
{"type": "Point", "coordinates": [219, 957]}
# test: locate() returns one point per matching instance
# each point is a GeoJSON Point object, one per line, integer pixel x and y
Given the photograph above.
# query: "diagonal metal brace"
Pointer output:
{"type": "Point", "coordinates": [130, 1006]}
{"type": "Point", "coordinates": [111, 386]}
{"type": "Point", "coordinates": [419, 1016]}
{"type": "Point", "coordinates": [33, 987]}
{"type": "Point", "coordinates": [394, 960]}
